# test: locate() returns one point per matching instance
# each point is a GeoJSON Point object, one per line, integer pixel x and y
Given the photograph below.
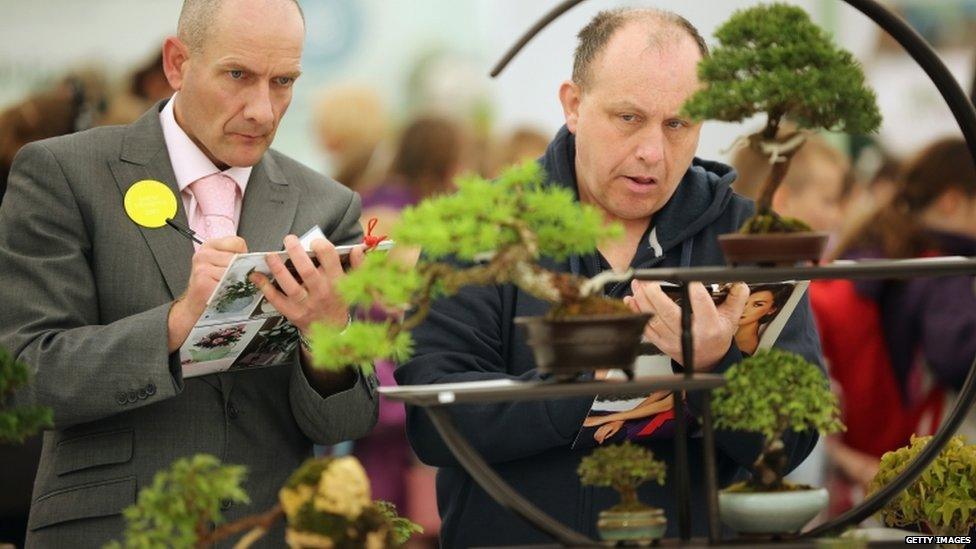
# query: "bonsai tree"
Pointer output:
{"type": "Point", "coordinates": [772, 393]}
{"type": "Point", "coordinates": [236, 290]}
{"type": "Point", "coordinates": [942, 501]}
{"type": "Point", "coordinates": [623, 467]}
{"type": "Point", "coordinates": [16, 424]}
{"type": "Point", "coordinates": [325, 502]}
{"type": "Point", "coordinates": [773, 59]}
{"type": "Point", "coordinates": [176, 511]}
{"type": "Point", "coordinates": [488, 232]}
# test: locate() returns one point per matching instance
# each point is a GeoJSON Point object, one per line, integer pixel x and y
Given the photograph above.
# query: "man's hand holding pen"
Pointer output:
{"type": "Point", "coordinates": [206, 269]}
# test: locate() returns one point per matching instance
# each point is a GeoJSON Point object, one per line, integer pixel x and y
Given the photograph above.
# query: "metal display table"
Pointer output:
{"type": "Point", "coordinates": [965, 115]}
{"type": "Point", "coordinates": [437, 399]}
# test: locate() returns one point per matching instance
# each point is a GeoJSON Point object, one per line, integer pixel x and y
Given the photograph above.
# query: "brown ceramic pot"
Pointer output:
{"type": "Point", "coordinates": [567, 347]}
{"type": "Point", "coordinates": [783, 249]}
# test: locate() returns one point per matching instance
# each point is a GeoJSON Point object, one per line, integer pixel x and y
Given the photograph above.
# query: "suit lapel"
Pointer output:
{"type": "Point", "coordinates": [269, 207]}
{"type": "Point", "coordinates": [144, 156]}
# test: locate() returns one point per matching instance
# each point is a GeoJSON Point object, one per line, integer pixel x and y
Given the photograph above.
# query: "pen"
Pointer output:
{"type": "Point", "coordinates": [185, 231]}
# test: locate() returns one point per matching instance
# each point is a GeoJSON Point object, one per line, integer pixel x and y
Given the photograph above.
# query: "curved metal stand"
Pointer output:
{"type": "Point", "coordinates": [965, 115]}
{"type": "Point", "coordinates": [496, 487]}
{"type": "Point", "coordinates": [436, 398]}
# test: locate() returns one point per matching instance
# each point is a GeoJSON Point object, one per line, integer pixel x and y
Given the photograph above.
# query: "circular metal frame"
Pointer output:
{"type": "Point", "coordinates": [965, 115]}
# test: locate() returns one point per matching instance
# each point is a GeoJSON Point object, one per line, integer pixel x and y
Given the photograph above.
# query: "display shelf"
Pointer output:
{"type": "Point", "coordinates": [850, 270]}
{"type": "Point", "coordinates": [702, 543]}
{"type": "Point", "coordinates": [964, 113]}
{"type": "Point", "coordinates": [436, 399]}
{"type": "Point", "coordinates": [511, 391]}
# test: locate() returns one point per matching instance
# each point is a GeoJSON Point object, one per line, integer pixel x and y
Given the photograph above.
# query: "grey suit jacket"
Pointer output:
{"type": "Point", "coordinates": [85, 295]}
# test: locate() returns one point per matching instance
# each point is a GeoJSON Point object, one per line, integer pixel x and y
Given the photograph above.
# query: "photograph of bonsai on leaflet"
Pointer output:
{"type": "Point", "coordinates": [486, 233]}
{"type": "Point", "coordinates": [772, 393]}
{"type": "Point", "coordinates": [237, 307]}
{"type": "Point", "coordinates": [773, 60]}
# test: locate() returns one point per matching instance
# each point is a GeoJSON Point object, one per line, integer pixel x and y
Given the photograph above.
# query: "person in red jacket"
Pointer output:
{"type": "Point", "coordinates": [896, 348]}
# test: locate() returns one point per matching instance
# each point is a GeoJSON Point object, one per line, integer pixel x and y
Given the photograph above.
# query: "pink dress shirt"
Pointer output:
{"type": "Point", "coordinates": [190, 164]}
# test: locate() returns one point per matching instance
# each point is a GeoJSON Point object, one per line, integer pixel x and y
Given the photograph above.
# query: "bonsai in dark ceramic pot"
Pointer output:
{"type": "Point", "coordinates": [773, 60]}
{"type": "Point", "coordinates": [488, 233]}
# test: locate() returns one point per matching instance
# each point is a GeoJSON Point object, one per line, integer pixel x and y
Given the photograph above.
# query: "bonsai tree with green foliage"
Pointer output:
{"type": "Point", "coordinates": [18, 423]}
{"type": "Point", "coordinates": [773, 59]}
{"type": "Point", "coordinates": [177, 509]}
{"type": "Point", "coordinates": [772, 393]}
{"type": "Point", "coordinates": [326, 503]}
{"type": "Point", "coordinates": [488, 232]}
{"type": "Point", "coordinates": [942, 501]}
{"type": "Point", "coordinates": [623, 467]}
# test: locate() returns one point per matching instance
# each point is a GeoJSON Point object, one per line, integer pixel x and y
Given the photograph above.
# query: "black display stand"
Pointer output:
{"type": "Point", "coordinates": [965, 115]}
{"type": "Point", "coordinates": [437, 400]}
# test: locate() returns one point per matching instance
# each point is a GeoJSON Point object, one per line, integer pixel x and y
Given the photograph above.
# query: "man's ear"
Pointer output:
{"type": "Point", "coordinates": [570, 95]}
{"type": "Point", "coordinates": [175, 56]}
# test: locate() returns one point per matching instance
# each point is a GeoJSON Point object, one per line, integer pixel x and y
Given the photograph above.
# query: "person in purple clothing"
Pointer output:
{"type": "Point", "coordinates": [428, 157]}
{"type": "Point", "coordinates": [934, 213]}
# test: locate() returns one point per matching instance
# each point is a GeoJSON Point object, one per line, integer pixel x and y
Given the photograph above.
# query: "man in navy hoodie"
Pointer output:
{"type": "Point", "coordinates": [626, 149]}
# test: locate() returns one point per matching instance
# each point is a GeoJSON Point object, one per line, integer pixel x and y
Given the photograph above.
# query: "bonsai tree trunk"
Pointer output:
{"type": "Point", "coordinates": [628, 497]}
{"type": "Point", "coordinates": [769, 466]}
{"type": "Point", "coordinates": [764, 204]}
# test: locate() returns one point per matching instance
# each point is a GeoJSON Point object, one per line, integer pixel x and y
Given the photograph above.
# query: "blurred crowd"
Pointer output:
{"type": "Point", "coordinates": [897, 351]}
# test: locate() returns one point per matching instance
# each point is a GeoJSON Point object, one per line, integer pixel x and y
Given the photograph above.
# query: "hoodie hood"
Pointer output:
{"type": "Point", "coordinates": [702, 197]}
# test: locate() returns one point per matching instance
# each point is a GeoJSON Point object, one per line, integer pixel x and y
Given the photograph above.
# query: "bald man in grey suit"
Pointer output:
{"type": "Point", "coordinates": [99, 307]}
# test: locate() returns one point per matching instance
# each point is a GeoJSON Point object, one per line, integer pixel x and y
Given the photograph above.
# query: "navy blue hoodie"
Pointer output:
{"type": "Point", "coordinates": [472, 336]}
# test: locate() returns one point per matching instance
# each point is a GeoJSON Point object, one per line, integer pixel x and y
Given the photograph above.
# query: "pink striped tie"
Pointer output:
{"type": "Point", "coordinates": [216, 197]}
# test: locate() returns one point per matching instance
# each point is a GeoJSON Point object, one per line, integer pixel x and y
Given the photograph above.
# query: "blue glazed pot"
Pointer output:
{"type": "Point", "coordinates": [770, 512]}
{"type": "Point", "coordinates": [641, 527]}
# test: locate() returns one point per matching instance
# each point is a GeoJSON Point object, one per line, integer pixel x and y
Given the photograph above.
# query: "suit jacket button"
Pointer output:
{"type": "Point", "coordinates": [143, 394]}
{"type": "Point", "coordinates": [121, 399]}
{"type": "Point", "coordinates": [131, 397]}
{"type": "Point", "coordinates": [232, 411]}
{"type": "Point", "coordinates": [150, 389]}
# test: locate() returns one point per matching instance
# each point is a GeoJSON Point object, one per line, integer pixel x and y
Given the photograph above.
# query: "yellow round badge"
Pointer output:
{"type": "Point", "coordinates": [150, 203]}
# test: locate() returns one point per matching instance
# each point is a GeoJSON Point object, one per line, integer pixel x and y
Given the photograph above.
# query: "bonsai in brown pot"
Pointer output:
{"type": "Point", "coordinates": [488, 233]}
{"type": "Point", "coordinates": [773, 60]}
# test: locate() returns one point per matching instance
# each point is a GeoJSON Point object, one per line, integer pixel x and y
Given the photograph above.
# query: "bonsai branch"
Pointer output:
{"type": "Point", "coordinates": [780, 154]}
{"type": "Point", "coordinates": [257, 525]}
{"type": "Point", "coordinates": [594, 286]}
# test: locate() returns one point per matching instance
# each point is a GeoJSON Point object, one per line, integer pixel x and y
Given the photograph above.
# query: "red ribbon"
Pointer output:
{"type": "Point", "coordinates": [370, 240]}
